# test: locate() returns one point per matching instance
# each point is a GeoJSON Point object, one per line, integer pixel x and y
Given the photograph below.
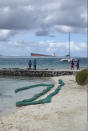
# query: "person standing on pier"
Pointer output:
{"type": "Point", "coordinates": [77, 64]}
{"type": "Point", "coordinates": [34, 64]}
{"type": "Point", "coordinates": [30, 64]}
{"type": "Point", "coordinates": [72, 65]}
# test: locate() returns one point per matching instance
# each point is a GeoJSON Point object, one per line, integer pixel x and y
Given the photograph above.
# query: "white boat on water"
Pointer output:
{"type": "Point", "coordinates": [67, 58]}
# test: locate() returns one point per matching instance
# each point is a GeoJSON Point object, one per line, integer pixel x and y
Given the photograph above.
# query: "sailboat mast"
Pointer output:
{"type": "Point", "coordinates": [69, 44]}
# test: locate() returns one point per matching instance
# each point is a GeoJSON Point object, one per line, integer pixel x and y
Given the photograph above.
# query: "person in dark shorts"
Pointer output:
{"type": "Point", "coordinates": [29, 64]}
{"type": "Point", "coordinates": [34, 64]}
{"type": "Point", "coordinates": [77, 64]}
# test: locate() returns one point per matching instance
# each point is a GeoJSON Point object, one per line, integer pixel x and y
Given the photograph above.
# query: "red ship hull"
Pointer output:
{"type": "Point", "coordinates": [35, 54]}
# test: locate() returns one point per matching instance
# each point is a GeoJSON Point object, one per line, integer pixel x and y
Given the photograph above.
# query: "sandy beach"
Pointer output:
{"type": "Point", "coordinates": [66, 112]}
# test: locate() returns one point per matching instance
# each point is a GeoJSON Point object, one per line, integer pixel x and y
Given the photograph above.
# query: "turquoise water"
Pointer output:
{"type": "Point", "coordinates": [42, 63]}
{"type": "Point", "coordinates": [8, 97]}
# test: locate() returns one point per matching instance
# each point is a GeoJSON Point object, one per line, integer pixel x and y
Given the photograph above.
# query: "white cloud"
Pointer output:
{"type": "Point", "coordinates": [65, 29]}
{"type": "Point", "coordinates": [5, 34]}
{"type": "Point", "coordinates": [83, 45]}
{"type": "Point", "coordinates": [75, 47]}
{"type": "Point", "coordinates": [47, 47]}
{"type": "Point", "coordinates": [40, 18]}
{"type": "Point", "coordinates": [40, 15]}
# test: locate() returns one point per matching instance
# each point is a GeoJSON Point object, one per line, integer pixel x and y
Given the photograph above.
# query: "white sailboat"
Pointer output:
{"type": "Point", "coordinates": [67, 58]}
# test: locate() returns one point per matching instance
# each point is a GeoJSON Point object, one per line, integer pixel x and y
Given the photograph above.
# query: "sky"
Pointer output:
{"type": "Point", "coordinates": [43, 26]}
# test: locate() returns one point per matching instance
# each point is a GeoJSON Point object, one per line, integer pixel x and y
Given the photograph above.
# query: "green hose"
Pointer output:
{"type": "Point", "coordinates": [29, 87]}
{"type": "Point", "coordinates": [32, 101]}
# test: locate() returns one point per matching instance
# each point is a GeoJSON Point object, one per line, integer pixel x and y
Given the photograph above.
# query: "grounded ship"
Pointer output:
{"type": "Point", "coordinates": [35, 54]}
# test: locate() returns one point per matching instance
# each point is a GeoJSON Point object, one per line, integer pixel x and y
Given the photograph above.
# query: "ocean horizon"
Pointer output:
{"type": "Point", "coordinates": [42, 62]}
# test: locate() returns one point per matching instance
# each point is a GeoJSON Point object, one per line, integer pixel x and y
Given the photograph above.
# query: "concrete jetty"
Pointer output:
{"type": "Point", "coordinates": [34, 73]}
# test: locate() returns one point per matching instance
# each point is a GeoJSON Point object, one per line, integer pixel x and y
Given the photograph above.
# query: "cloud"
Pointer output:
{"type": "Point", "coordinates": [43, 16]}
{"type": "Point", "coordinates": [36, 18]}
{"type": "Point", "coordinates": [5, 34]}
{"type": "Point", "coordinates": [22, 48]}
{"type": "Point", "coordinates": [65, 29]}
{"type": "Point", "coordinates": [42, 33]}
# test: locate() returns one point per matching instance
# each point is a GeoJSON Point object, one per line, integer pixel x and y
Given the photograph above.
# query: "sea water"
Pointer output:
{"type": "Point", "coordinates": [8, 97]}
{"type": "Point", "coordinates": [8, 85]}
{"type": "Point", "coordinates": [42, 62]}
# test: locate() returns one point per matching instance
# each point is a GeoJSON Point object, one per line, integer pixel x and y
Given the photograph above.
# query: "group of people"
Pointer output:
{"type": "Point", "coordinates": [77, 65]}
{"type": "Point", "coordinates": [34, 64]}
{"type": "Point", "coordinates": [30, 64]}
